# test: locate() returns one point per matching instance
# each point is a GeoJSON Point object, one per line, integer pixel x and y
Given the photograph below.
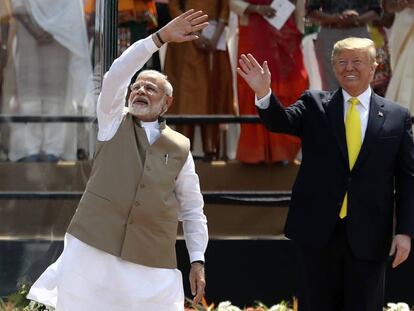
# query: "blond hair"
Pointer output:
{"type": "Point", "coordinates": [353, 43]}
{"type": "Point", "coordinates": [168, 89]}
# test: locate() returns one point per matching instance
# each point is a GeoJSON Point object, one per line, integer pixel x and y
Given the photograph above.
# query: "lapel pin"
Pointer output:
{"type": "Point", "coordinates": [380, 114]}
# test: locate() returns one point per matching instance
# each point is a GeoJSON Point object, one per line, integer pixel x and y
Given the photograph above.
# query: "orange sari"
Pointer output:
{"type": "Point", "coordinates": [283, 53]}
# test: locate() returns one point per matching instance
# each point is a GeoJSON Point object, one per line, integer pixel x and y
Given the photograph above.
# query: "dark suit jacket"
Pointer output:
{"type": "Point", "coordinates": [381, 182]}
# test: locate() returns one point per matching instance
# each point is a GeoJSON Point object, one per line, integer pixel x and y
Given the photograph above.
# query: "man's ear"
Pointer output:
{"type": "Point", "coordinates": [373, 68]}
{"type": "Point", "coordinates": [169, 101]}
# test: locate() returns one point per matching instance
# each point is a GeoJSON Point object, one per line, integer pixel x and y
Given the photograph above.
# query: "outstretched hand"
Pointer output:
{"type": "Point", "coordinates": [257, 77]}
{"type": "Point", "coordinates": [184, 27]}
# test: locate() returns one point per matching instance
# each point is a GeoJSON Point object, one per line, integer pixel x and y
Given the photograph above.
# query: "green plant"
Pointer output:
{"type": "Point", "coordinates": [18, 301]}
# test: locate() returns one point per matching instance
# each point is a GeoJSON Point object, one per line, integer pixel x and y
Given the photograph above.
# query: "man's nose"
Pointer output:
{"type": "Point", "coordinates": [141, 90]}
{"type": "Point", "coordinates": [349, 66]}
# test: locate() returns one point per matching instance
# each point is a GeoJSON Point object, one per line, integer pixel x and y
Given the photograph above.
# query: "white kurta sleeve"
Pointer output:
{"type": "Point", "coordinates": [187, 191]}
{"type": "Point", "coordinates": [111, 100]}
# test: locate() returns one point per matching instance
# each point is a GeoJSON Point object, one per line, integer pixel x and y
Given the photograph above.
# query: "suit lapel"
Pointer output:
{"type": "Point", "coordinates": [376, 119]}
{"type": "Point", "coordinates": [335, 111]}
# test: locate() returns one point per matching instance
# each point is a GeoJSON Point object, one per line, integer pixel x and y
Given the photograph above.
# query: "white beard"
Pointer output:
{"type": "Point", "coordinates": [145, 113]}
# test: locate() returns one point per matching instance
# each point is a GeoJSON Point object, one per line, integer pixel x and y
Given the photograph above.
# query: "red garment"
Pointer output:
{"type": "Point", "coordinates": [282, 51]}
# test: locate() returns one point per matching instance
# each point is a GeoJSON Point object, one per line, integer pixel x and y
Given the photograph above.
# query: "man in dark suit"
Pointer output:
{"type": "Point", "coordinates": [357, 171]}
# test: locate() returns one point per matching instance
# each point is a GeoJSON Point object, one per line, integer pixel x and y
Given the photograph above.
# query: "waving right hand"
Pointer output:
{"type": "Point", "coordinates": [256, 76]}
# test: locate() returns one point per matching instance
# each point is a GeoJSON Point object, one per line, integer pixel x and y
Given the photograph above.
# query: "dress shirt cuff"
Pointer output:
{"type": "Point", "coordinates": [263, 103]}
{"type": "Point", "coordinates": [194, 256]}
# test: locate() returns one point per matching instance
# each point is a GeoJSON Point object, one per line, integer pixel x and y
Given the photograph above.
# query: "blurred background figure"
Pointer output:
{"type": "Point", "coordinates": [201, 74]}
{"type": "Point", "coordinates": [378, 30]}
{"type": "Point", "coordinates": [401, 44]}
{"type": "Point", "coordinates": [282, 49]}
{"type": "Point", "coordinates": [136, 19]}
{"type": "Point", "coordinates": [49, 73]}
{"type": "Point", "coordinates": [339, 19]}
{"type": "Point", "coordinates": [5, 12]}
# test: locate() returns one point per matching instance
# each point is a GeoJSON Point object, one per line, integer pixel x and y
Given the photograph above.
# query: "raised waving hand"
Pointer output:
{"type": "Point", "coordinates": [257, 77]}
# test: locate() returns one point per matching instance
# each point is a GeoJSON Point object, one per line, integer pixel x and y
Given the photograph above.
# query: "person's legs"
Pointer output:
{"type": "Point", "coordinates": [210, 136]}
{"type": "Point", "coordinates": [364, 284]}
{"type": "Point", "coordinates": [320, 276]}
{"type": "Point", "coordinates": [26, 138]}
{"type": "Point", "coordinates": [54, 68]}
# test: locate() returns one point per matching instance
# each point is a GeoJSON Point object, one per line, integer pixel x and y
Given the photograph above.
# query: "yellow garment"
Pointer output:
{"type": "Point", "coordinates": [131, 10]}
{"type": "Point", "coordinates": [138, 11]}
{"type": "Point", "coordinates": [353, 142]}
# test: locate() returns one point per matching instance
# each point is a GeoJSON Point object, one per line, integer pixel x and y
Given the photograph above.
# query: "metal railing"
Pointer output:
{"type": "Point", "coordinates": [251, 198]}
{"type": "Point", "coordinates": [171, 119]}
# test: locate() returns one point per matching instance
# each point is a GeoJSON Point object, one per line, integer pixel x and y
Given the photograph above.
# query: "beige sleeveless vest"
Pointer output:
{"type": "Point", "coordinates": [129, 208]}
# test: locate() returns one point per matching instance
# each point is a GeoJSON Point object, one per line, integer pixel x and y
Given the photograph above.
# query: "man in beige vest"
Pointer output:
{"type": "Point", "coordinates": [120, 246]}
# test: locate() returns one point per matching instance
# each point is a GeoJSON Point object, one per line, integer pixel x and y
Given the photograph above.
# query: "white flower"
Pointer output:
{"type": "Point", "coordinates": [280, 307]}
{"type": "Point", "coordinates": [227, 306]}
{"type": "Point", "coordinates": [401, 306]}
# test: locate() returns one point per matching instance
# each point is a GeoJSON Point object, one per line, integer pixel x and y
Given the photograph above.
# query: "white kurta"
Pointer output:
{"type": "Point", "coordinates": [85, 278]}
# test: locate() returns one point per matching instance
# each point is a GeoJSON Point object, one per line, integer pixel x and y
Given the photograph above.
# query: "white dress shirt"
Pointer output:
{"type": "Point", "coordinates": [363, 108]}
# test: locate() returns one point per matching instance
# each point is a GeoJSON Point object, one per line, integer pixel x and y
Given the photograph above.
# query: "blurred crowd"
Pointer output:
{"type": "Point", "coordinates": [47, 65]}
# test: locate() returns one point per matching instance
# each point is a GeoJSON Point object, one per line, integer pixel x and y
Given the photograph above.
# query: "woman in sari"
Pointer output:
{"type": "Point", "coordinates": [281, 48]}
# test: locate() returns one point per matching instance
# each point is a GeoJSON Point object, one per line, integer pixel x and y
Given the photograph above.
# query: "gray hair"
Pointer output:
{"type": "Point", "coordinates": [168, 89]}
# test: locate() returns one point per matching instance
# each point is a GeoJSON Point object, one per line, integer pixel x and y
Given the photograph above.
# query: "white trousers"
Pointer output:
{"type": "Point", "coordinates": [87, 279]}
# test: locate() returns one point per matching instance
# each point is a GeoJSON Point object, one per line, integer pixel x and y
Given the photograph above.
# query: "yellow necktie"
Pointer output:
{"type": "Point", "coordinates": [353, 141]}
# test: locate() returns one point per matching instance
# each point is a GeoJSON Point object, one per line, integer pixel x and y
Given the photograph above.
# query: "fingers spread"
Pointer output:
{"type": "Point", "coordinates": [244, 65]}
{"type": "Point", "coordinates": [241, 73]}
{"type": "Point", "coordinates": [266, 68]}
{"type": "Point", "coordinates": [199, 20]}
{"type": "Point", "coordinates": [253, 60]}
{"type": "Point", "coordinates": [189, 37]}
{"type": "Point", "coordinates": [193, 15]}
{"type": "Point", "coordinates": [187, 13]}
{"type": "Point", "coordinates": [199, 27]}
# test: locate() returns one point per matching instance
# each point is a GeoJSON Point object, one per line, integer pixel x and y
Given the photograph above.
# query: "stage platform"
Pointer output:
{"type": "Point", "coordinates": [46, 218]}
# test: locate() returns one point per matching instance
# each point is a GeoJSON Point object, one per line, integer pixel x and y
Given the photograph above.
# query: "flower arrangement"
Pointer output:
{"type": "Point", "coordinates": [400, 306]}
{"type": "Point", "coordinates": [227, 306]}
{"type": "Point", "coordinates": [18, 302]}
